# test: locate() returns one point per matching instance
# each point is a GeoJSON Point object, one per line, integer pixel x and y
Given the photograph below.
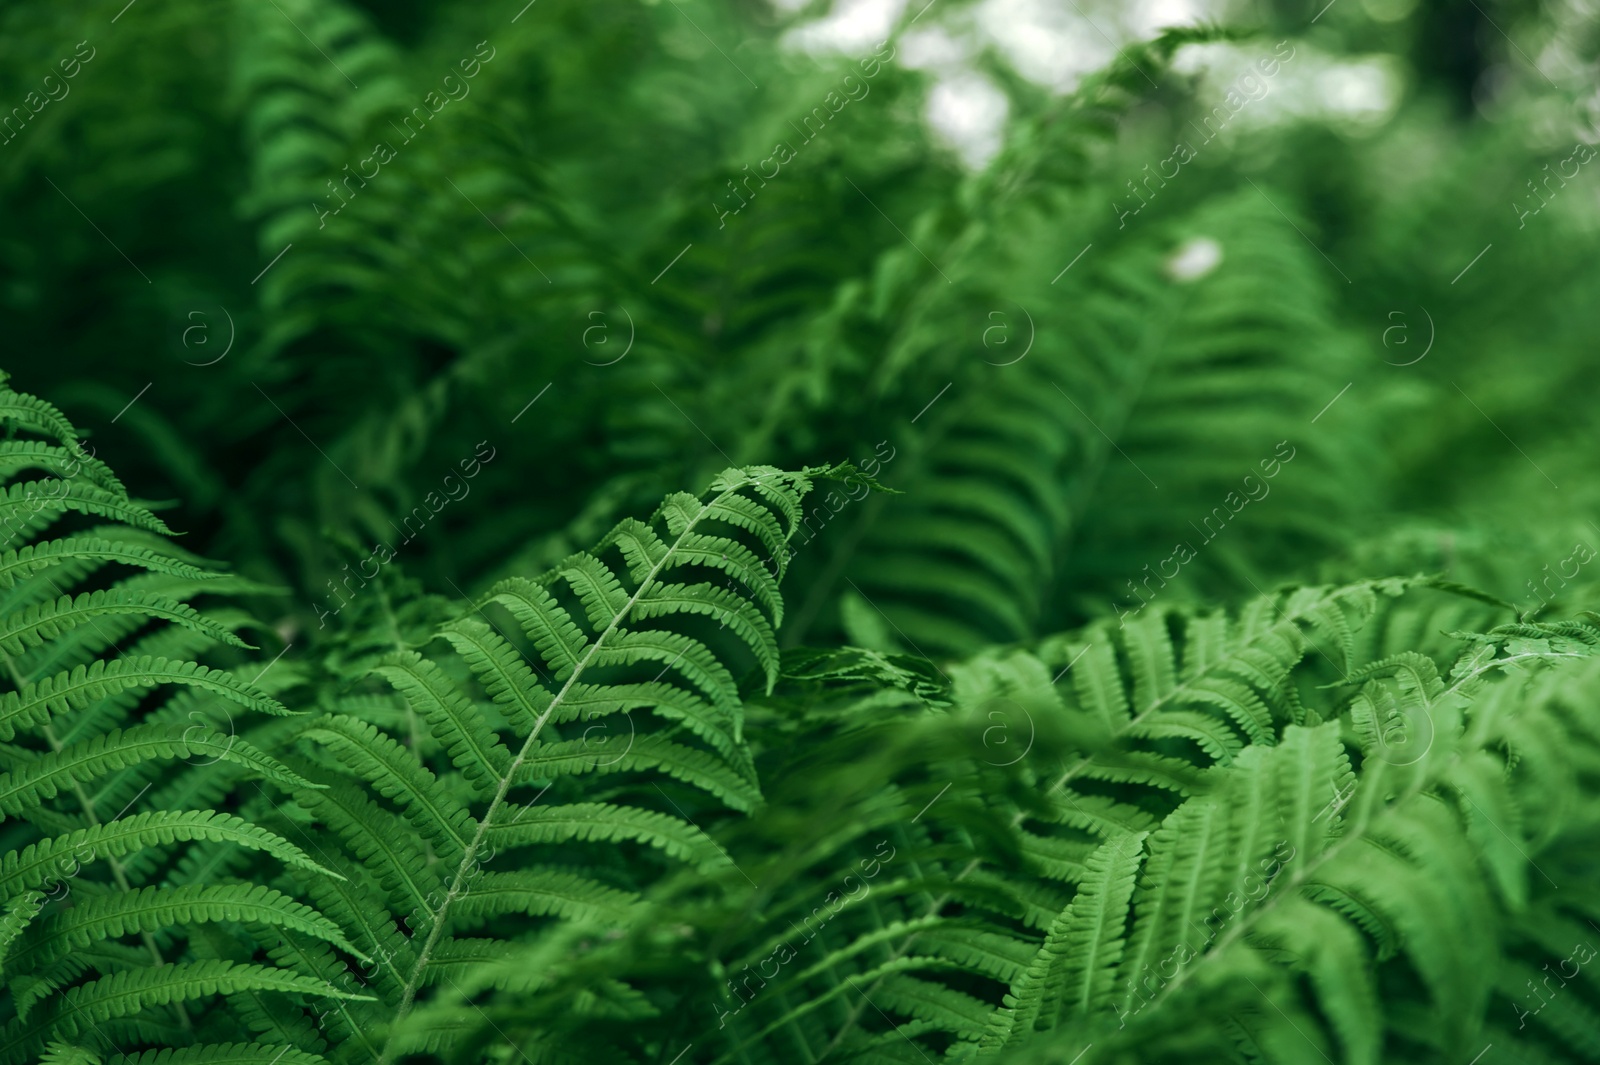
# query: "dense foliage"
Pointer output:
{"type": "Point", "coordinates": [717, 568]}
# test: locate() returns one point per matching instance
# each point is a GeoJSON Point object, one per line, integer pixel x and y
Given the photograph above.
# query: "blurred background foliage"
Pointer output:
{"type": "Point", "coordinates": [950, 276]}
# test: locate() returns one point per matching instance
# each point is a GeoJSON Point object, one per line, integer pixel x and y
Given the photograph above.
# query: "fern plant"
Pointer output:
{"type": "Point", "coordinates": [1311, 900]}
{"type": "Point", "coordinates": [1078, 748]}
{"type": "Point", "coordinates": [107, 726]}
{"type": "Point", "coordinates": [521, 747]}
{"type": "Point", "coordinates": [1245, 838]}
{"type": "Point", "coordinates": [553, 821]}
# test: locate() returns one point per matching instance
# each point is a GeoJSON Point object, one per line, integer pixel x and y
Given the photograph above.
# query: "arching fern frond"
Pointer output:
{"type": "Point", "coordinates": [519, 722]}
{"type": "Point", "coordinates": [94, 941]}
{"type": "Point", "coordinates": [1316, 890]}
{"type": "Point", "coordinates": [1032, 487]}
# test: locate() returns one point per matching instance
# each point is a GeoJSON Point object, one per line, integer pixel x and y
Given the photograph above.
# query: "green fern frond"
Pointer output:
{"type": "Point", "coordinates": [57, 771]}
{"type": "Point", "coordinates": [124, 994]}
{"type": "Point", "coordinates": [20, 563]}
{"type": "Point", "coordinates": [19, 455]}
{"type": "Point", "coordinates": [30, 628]}
{"type": "Point", "coordinates": [40, 863]}
{"type": "Point", "coordinates": [154, 908]}
{"type": "Point", "coordinates": [396, 775]}
{"type": "Point", "coordinates": [379, 841]}
{"type": "Point", "coordinates": [223, 1053]}
{"type": "Point", "coordinates": [526, 825]}
{"type": "Point", "coordinates": [498, 715]}
{"type": "Point", "coordinates": [79, 663]}
{"type": "Point", "coordinates": [1076, 965]}
{"type": "Point", "coordinates": [546, 892]}
{"type": "Point", "coordinates": [458, 727]}
{"type": "Point", "coordinates": [22, 502]}
{"type": "Point", "coordinates": [1388, 857]}
{"type": "Point", "coordinates": [38, 702]}
{"type": "Point", "coordinates": [1069, 728]}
